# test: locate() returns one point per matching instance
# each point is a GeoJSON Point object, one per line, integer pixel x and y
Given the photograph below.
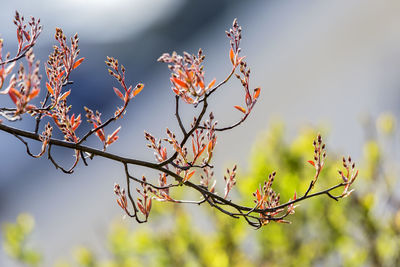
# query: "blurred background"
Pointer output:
{"type": "Point", "coordinates": [328, 66]}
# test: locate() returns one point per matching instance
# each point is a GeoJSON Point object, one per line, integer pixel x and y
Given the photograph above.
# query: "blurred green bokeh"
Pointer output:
{"type": "Point", "coordinates": [361, 230]}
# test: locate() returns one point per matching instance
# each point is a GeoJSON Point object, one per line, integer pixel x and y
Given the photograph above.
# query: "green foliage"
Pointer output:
{"type": "Point", "coordinates": [363, 230]}
{"type": "Point", "coordinates": [15, 240]}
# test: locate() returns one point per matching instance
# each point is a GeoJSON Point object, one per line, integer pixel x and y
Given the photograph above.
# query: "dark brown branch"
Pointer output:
{"type": "Point", "coordinates": [28, 151]}
{"type": "Point", "coordinates": [211, 198]}
{"type": "Point", "coordinates": [187, 135]}
{"type": "Point", "coordinates": [50, 157]}
{"type": "Point", "coordinates": [16, 58]}
{"type": "Point", "coordinates": [130, 197]}
{"type": "Point", "coordinates": [178, 117]}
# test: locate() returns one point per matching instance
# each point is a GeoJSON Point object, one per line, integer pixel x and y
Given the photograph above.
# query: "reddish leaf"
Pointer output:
{"type": "Point", "coordinates": [34, 93]}
{"type": "Point", "coordinates": [258, 195]}
{"type": "Point", "coordinates": [193, 147]}
{"type": "Point", "coordinates": [211, 84]}
{"type": "Point", "coordinates": [241, 109]}
{"type": "Point", "coordinates": [78, 62]}
{"type": "Point", "coordinates": [119, 203]}
{"type": "Point", "coordinates": [13, 95]}
{"type": "Point", "coordinates": [140, 206]}
{"type": "Point", "coordinates": [64, 96]}
{"type": "Point", "coordinates": [113, 137]}
{"type": "Point", "coordinates": [179, 82]}
{"type": "Point", "coordinates": [176, 91]}
{"type": "Point", "coordinates": [201, 151]}
{"type": "Point", "coordinates": [72, 120]}
{"type": "Point", "coordinates": [60, 75]}
{"type": "Point", "coordinates": [27, 35]}
{"type": "Point", "coordinates": [232, 56]}
{"type": "Point", "coordinates": [148, 208]}
{"type": "Point", "coordinates": [188, 176]}
{"type": "Point", "coordinates": [256, 93]}
{"type": "Point", "coordinates": [118, 93]}
{"type": "Point", "coordinates": [201, 84]}
{"type": "Point", "coordinates": [49, 89]}
{"type": "Point", "coordinates": [99, 132]}
{"type": "Point", "coordinates": [311, 162]}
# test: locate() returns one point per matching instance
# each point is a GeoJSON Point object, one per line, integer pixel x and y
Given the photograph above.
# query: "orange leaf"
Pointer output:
{"type": "Point", "coordinates": [34, 93]}
{"type": "Point", "coordinates": [211, 84]}
{"type": "Point", "coordinates": [311, 162]}
{"type": "Point", "coordinates": [201, 84]}
{"type": "Point", "coordinates": [179, 82]}
{"type": "Point", "coordinates": [258, 195]}
{"type": "Point", "coordinates": [99, 132]}
{"type": "Point", "coordinates": [119, 203]}
{"type": "Point", "coordinates": [64, 96]}
{"type": "Point", "coordinates": [60, 75]}
{"type": "Point", "coordinates": [201, 151]}
{"type": "Point", "coordinates": [210, 146]}
{"type": "Point", "coordinates": [189, 176]}
{"type": "Point", "coordinates": [176, 91]}
{"type": "Point", "coordinates": [232, 56]}
{"type": "Point", "coordinates": [49, 89]}
{"type": "Point", "coordinates": [78, 62]}
{"type": "Point", "coordinates": [193, 147]}
{"type": "Point", "coordinates": [12, 93]}
{"type": "Point", "coordinates": [241, 109]}
{"type": "Point", "coordinates": [148, 208]}
{"type": "Point", "coordinates": [139, 87]}
{"type": "Point", "coordinates": [113, 137]}
{"type": "Point", "coordinates": [256, 93]}
{"type": "Point", "coordinates": [16, 92]}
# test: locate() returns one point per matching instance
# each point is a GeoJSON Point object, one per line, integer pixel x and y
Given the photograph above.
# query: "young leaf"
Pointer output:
{"type": "Point", "coordinates": [256, 93]}
{"type": "Point", "coordinates": [241, 109]}
{"type": "Point", "coordinates": [232, 56]}
{"type": "Point", "coordinates": [49, 89]}
{"type": "Point", "coordinates": [139, 87]}
{"type": "Point", "coordinates": [179, 82]}
{"type": "Point", "coordinates": [188, 176]}
{"type": "Point", "coordinates": [118, 93]}
{"type": "Point", "coordinates": [64, 96]}
{"type": "Point", "coordinates": [78, 62]}
{"type": "Point", "coordinates": [211, 84]}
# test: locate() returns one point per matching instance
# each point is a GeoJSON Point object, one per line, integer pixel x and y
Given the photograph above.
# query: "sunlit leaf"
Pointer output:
{"type": "Point", "coordinates": [60, 75]}
{"type": "Point", "coordinates": [49, 89]}
{"type": "Point", "coordinates": [242, 109]}
{"type": "Point", "coordinates": [65, 95]}
{"type": "Point", "coordinates": [34, 93]}
{"type": "Point", "coordinates": [188, 176]}
{"type": "Point", "coordinates": [256, 93]}
{"type": "Point", "coordinates": [139, 87]}
{"type": "Point", "coordinates": [232, 56]}
{"type": "Point", "coordinates": [211, 84]}
{"type": "Point", "coordinates": [13, 95]}
{"type": "Point", "coordinates": [179, 82]}
{"type": "Point", "coordinates": [78, 62]}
